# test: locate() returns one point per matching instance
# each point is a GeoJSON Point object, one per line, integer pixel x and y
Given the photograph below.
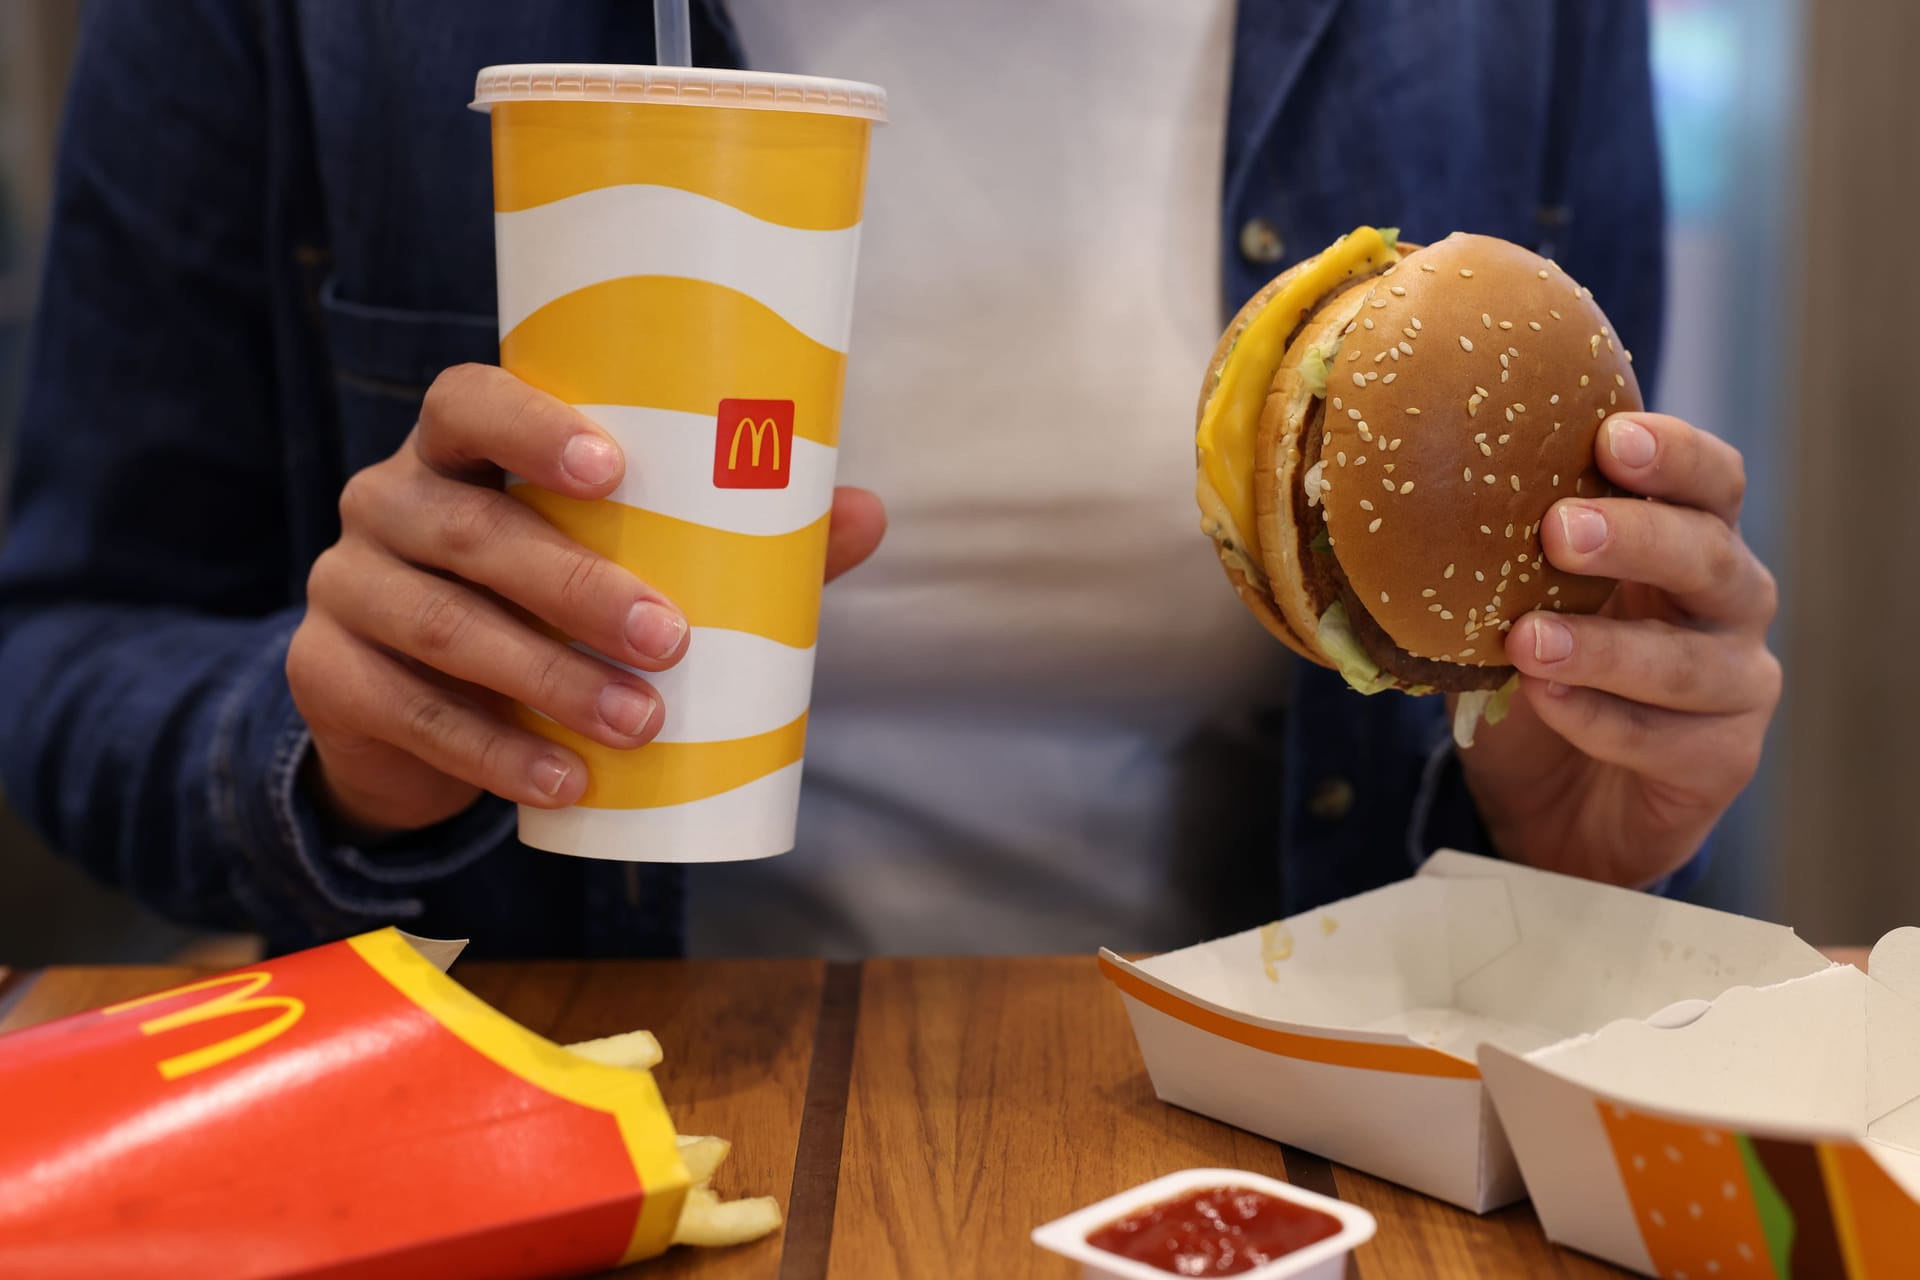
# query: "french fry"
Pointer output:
{"type": "Point", "coordinates": [703, 1157]}
{"type": "Point", "coordinates": [710, 1222]}
{"type": "Point", "coordinates": [635, 1050]}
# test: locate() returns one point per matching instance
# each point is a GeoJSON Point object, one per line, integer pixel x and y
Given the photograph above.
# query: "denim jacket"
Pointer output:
{"type": "Point", "coordinates": [273, 228]}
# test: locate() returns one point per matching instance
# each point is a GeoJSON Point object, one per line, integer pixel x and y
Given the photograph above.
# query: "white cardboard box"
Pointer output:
{"type": "Point", "coordinates": [1769, 1132]}
{"type": "Point", "coordinates": [1353, 1030]}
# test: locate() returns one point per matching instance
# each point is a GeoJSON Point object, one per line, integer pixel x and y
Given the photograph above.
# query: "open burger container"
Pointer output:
{"type": "Point", "coordinates": [344, 1111]}
{"type": "Point", "coordinates": [1772, 1131]}
{"type": "Point", "coordinates": [1353, 1031]}
{"type": "Point", "coordinates": [1321, 1260]}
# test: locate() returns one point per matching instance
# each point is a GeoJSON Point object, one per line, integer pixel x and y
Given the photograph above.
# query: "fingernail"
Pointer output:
{"type": "Point", "coordinates": [1630, 443]}
{"type": "Point", "coordinates": [550, 774]}
{"type": "Point", "coordinates": [590, 459]}
{"type": "Point", "coordinates": [1552, 640]}
{"type": "Point", "coordinates": [655, 630]}
{"type": "Point", "coordinates": [1585, 527]}
{"type": "Point", "coordinates": [624, 708]}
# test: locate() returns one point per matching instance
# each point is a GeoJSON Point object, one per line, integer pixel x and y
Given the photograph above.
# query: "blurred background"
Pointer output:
{"type": "Point", "coordinates": [1784, 127]}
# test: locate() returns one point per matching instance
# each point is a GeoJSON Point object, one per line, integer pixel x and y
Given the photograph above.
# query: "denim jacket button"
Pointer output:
{"type": "Point", "coordinates": [1331, 799]}
{"type": "Point", "coordinates": [1260, 242]}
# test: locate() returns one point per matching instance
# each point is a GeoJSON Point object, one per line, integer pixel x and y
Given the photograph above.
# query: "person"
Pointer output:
{"type": "Point", "coordinates": [261, 599]}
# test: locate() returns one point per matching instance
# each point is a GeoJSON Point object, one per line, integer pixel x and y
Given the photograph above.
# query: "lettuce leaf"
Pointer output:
{"type": "Point", "coordinates": [1475, 705]}
{"type": "Point", "coordinates": [1336, 637]}
{"type": "Point", "coordinates": [1315, 367]}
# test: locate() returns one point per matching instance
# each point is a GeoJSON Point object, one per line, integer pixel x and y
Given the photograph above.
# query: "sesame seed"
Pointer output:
{"type": "Point", "coordinates": [1336, 402]}
{"type": "Point", "coordinates": [1412, 412]}
{"type": "Point", "coordinates": [1503, 439]}
{"type": "Point", "coordinates": [1377, 303]}
{"type": "Point", "coordinates": [1394, 352]}
{"type": "Point", "coordinates": [1407, 487]}
{"type": "Point", "coordinates": [1518, 407]}
{"type": "Point", "coordinates": [1405, 349]}
{"type": "Point", "coordinates": [1553, 591]}
{"type": "Point", "coordinates": [1542, 273]}
{"type": "Point", "coordinates": [1506, 324]}
{"type": "Point", "coordinates": [1593, 345]}
{"type": "Point", "coordinates": [1387, 485]}
{"type": "Point", "coordinates": [1365, 434]}
{"type": "Point", "coordinates": [1398, 291]}
{"type": "Point", "coordinates": [1426, 266]}
{"type": "Point", "coordinates": [1584, 379]}
{"type": "Point", "coordinates": [1506, 362]}
{"type": "Point", "coordinates": [1604, 331]}
{"type": "Point", "coordinates": [1487, 478]}
{"type": "Point", "coordinates": [1613, 397]}
{"type": "Point", "coordinates": [1429, 593]}
{"type": "Point", "coordinates": [1446, 615]}
{"type": "Point", "coordinates": [1600, 413]}
{"type": "Point", "coordinates": [1349, 329]}
{"type": "Point", "coordinates": [1478, 436]}
{"type": "Point", "coordinates": [1609, 344]}
{"type": "Point", "coordinates": [1525, 578]}
{"type": "Point", "coordinates": [1354, 414]}
{"type": "Point", "coordinates": [1375, 526]}
{"type": "Point", "coordinates": [1388, 468]}
{"type": "Point", "coordinates": [1340, 458]}
{"type": "Point", "coordinates": [1465, 272]}
{"type": "Point", "coordinates": [1394, 444]}
{"type": "Point", "coordinates": [1366, 504]}
{"type": "Point", "coordinates": [1513, 351]}
{"type": "Point", "coordinates": [1359, 380]}
{"type": "Point", "coordinates": [1378, 358]}
{"type": "Point", "coordinates": [1352, 355]}
{"type": "Point", "coordinates": [1416, 319]}
{"type": "Point", "coordinates": [1486, 321]}
{"type": "Point", "coordinates": [1368, 322]}
{"type": "Point", "coordinates": [1619, 380]}
{"type": "Point", "coordinates": [1506, 569]}
{"type": "Point", "coordinates": [1433, 608]}
{"type": "Point", "coordinates": [1534, 325]}
{"type": "Point", "coordinates": [1465, 344]}
{"type": "Point", "coordinates": [1448, 573]}
{"type": "Point", "coordinates": [1383, 595]}
{"type": "Point", "coordinates": [1372, 376]}
{"type": "Point", "coordinates": [1556, 479]}
{"type": "Point", "coordinates": [1466, 653]}
{"type": "Point", "coordinates": [1515, 482]}
{"type": "Point", "coordinates": [1477, 575]}
{"type": "Point", "coordinates": [1473, 406]}
{"type": "Point", "coordinates": [1466, 475]}
{"type": "Point", "coordinates": [1505, 374]}
{"type": "Point", "coordinates": [1483, 529]}
{"type": "Point", "coordinates": [1410, 331]}
{"type": "Point", "coordinates": [1389, 378]}
{"type": "Point", "coordinates": [1486, 450]}
{"type": "Point", "coordinates": [1553, 313]}
{"type": "Point", "coordinates": [1483, 391]}
{"type": "Point", "coordinates": [1555, 400]}
{"type": "Point", "coordinates": [1360, 461]}
{"type": "Point", "coordinates": [1509, 531]}
{"type": "Point", "coordinates": [1556, 426]}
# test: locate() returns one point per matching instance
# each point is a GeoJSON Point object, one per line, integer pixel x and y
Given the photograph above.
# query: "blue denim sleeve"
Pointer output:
{"type": "Point", "coordinates": [147, 585]}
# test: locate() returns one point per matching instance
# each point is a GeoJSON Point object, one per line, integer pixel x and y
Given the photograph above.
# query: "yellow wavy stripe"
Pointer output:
{"type": "Point", "coordinates": [630, 1096]}
{"type": "Point", "coordinates": [651, 341]}
{"type": "Point", "coordinates": [768, 585]}
{"type": "Point", "coordinates": [794, 168]}
{"type": "Point", "coordinates": [668, 773]}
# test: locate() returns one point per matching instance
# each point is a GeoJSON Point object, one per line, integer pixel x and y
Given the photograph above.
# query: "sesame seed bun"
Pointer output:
{"type": "Point", "coordinates": [1470, 358]}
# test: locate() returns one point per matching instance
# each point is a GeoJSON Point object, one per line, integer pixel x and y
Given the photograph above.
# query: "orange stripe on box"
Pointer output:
{"type": "Point", "coordinates": [796, 169]}
{"type": "Point", "coordinates": [1406, 1060]}
{"type": "Point", "coordinates": [669, 773]}
{"type": "Point", "coordinates": [663, 342]}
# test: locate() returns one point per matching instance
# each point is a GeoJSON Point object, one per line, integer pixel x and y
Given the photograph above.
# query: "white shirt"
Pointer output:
{"type": "Point", "coordinates": [1007, 693]}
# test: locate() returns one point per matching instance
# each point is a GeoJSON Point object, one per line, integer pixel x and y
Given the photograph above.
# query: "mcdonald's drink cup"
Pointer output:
{"type": "Point", "coordinates": [676, 258]}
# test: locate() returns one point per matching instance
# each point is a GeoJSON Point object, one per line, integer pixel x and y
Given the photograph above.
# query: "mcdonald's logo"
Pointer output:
{"type": "Point", "coordinates": [239, 993]}
{"type": "Point", "coordinates": [753, 444]}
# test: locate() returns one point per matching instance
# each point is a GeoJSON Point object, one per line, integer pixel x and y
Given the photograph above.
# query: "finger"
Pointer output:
{"type": "Point", "coordinates": [487, 537]}
{"type": "Point", "coordinates": [1715, 755]}
{"type": "Point", "coordinates": [376, 696]}
{"type": "Point", "coordinates": [478, 421]}
{"type": "Point", "coordinates": [461, 633]}
{"type": "Point", "coordinates": [857, 525]}
{"type": "Point", "coordinates": [1646, 661]}
{"type": "Point", "coordinates": [1691, 555]}
{"type": "Point", "coordinates": [1657, 456]}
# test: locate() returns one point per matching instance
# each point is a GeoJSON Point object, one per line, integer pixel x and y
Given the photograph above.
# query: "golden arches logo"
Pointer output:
{"type": "Point", "coordinates": [767, 428]}
{"type": "Point", "coordinates": [241, 994]}
{"type": "Point", "coordinates": [757, 432]}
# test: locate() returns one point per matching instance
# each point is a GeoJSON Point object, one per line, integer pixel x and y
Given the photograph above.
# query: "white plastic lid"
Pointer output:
{"type": "Point", "coordinates": [676, 86]}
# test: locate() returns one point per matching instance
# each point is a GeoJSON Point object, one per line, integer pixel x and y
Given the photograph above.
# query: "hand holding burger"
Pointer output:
{"type": "Point", "coordinates": [1411, 462]}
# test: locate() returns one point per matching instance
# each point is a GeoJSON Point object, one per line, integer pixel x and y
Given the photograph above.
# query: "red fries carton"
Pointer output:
{"type": "Point", "coordinates": [345, 1111]}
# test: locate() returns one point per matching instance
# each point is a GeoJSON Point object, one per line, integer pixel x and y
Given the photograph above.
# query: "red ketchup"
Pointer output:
{"type": "Point", "coordinates": [1219, 1231]}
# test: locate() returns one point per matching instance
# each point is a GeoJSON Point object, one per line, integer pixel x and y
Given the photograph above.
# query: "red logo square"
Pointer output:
{"type": "Point", "coordinates": [753, 444]}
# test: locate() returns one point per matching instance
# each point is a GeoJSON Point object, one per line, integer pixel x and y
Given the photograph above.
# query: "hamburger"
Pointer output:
{"type": "Point", "coordinates": [1382, 430]}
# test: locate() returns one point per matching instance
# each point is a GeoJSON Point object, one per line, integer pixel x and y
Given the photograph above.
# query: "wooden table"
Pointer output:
{"type": "Point", "coordinates": [915, 1117]}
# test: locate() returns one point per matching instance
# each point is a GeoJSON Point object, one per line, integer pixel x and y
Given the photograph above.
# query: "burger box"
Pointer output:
{"type": "Point", "coordinates": [1353, 1030]}
{"type": "Point", "coordinates": [1772, 1131]}
{"type": "Point", "coordinates": [344, 1111]}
